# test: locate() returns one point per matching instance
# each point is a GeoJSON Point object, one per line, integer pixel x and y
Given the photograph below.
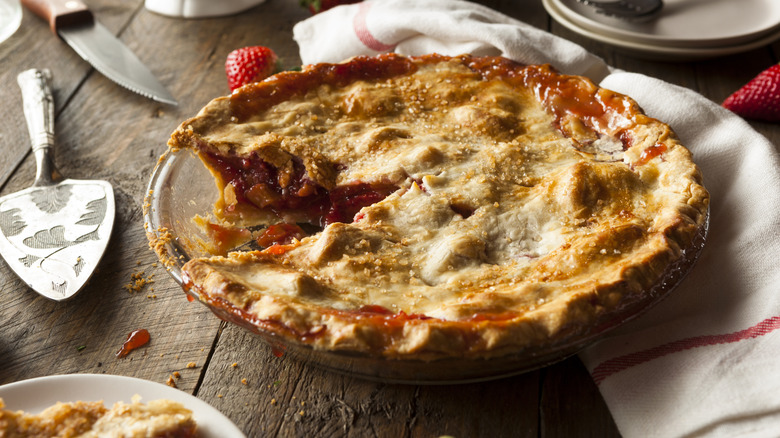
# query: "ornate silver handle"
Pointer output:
{"type": "Point", "coordinates": [39, 111]}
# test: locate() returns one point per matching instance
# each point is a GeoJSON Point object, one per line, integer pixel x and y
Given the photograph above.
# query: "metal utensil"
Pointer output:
{"type": "Point", "coordinates": [73, 21]}
{"type": "Point", "coordinates": [54, 233]}
{"type": "Point", "coordinates": [629, 9]}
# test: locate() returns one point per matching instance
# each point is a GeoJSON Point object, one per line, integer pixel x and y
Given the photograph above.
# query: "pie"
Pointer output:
{"type": "Point", "coordinates": [82, 419]}
{"type": "Point", "coordinates": [422, 208]}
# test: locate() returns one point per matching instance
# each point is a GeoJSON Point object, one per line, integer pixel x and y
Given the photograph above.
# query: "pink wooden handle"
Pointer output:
{"type": "Point", "coordinates": [60, 12]}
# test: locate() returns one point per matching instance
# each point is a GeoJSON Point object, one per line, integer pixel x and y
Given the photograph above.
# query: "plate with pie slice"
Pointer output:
{"type": "Point", "coordinates": [429, 219]}
{"type": "Point", "coordinates": [142, 404]}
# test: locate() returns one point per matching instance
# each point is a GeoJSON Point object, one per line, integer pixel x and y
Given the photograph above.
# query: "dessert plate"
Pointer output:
{"type": "Point", "coordinates": [35, 395]}
{"type": "Point", "coordinates": [199, 8]}
{"type": "Point", "coordinates": [684, 23]}
{"type": "Point", "coordinates": [10, 18]}
{"type": "Point", "coordinates": [633, 42]}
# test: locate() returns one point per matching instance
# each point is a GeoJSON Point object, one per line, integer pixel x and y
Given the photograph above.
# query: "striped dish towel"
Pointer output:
{"type": "Point", "coordinates": [703, 361]}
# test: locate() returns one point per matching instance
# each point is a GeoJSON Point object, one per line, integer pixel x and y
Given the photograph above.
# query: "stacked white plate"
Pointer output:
{"type": "Point", "coordinates": [684, 29]}
{"type": "Point", "coordinates": [199, 8]}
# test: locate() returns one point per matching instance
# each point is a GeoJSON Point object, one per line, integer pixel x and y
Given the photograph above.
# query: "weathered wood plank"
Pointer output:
{"type": "Point", "coordinates": [507, 407]}
{"type": "Point", "coordinates": [100, 131]}
{"type": "Point", "coordinates": [291, 398]}
{"type": "Point", "coordinates": [33, 46]}
{"type": "Point", "coordinates": [571, 404]}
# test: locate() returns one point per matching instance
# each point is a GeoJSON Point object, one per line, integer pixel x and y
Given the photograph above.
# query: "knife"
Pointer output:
{"type": "Point", "coordinates": [74, 23]}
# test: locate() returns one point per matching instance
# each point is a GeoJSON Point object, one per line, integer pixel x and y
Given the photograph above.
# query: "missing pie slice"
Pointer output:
{"type": "Point", "coordinates": [440, 207]}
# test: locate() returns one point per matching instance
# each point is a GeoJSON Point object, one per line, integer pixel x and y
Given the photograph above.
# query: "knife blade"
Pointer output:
{"type": "Point", "coordinates": [75, 23]}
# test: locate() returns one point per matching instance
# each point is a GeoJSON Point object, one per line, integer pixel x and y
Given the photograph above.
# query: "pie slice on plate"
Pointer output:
{"type": "Point", "coordinates": [85, 419]}
{"type": "Point", "coordinates": [439, 208]}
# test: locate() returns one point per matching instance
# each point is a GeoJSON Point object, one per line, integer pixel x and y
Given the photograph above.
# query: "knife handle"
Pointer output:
{"type": "Point", "coordinates": [60, 12]}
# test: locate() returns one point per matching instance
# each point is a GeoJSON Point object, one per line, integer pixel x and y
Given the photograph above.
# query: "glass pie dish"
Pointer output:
{"type": "Point", "coordinates": [181, 189]}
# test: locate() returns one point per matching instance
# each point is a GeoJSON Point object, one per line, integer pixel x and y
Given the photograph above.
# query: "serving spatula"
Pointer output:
{"type": "Point", "coordinates": [53, 234]}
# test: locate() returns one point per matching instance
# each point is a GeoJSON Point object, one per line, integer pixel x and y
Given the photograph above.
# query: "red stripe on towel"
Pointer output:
{"type": "Point", "coordinates": [617, 364]}
{"type": "Point", "coordinates": [362, 32]}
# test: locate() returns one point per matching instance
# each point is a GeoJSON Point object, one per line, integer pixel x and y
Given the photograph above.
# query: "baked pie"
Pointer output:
{"type": "Point", "coordinates": [82, 419]}
{"type": "Point", "coordinates": [433, 207]}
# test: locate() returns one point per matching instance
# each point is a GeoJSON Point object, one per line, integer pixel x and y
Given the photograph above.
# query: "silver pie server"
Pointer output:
{"type": "Point", "coordinates": [53, 234]}
{"type": "Point", "coordinates": [626, 9]}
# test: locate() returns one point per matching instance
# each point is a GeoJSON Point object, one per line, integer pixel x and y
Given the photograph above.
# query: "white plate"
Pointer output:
{"type": "Point", "coordinates": [199, 8]}
{"type": "Point", "coordinates": [654, 50]}
{"type": "Point", "coordinates": [37, 394]}
{"type": "Point", "coordinates": [10, 18]}
{"type": "Point", "coordinates": [685, 23]}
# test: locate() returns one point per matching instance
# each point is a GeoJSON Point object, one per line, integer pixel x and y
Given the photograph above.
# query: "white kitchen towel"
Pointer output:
{"type": "Point", "coordinates": [704, 362]}
{"type": "Point", "coordinates": [447, 27]}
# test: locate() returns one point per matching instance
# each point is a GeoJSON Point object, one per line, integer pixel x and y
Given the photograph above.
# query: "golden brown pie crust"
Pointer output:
{"type": "Point", "coordinates": [82, 419]}
{"type": "Point", "coordinates": [526, 207]}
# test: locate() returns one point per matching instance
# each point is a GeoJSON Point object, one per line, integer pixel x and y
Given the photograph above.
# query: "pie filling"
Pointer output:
{"type": "Point", "coordinates": [439, 207]}
{"type": "Point", "coordinates": [255, 182]}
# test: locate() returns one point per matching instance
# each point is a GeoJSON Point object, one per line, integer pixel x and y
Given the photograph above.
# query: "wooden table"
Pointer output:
{"type": "Point", "coordinates": [109, 133]}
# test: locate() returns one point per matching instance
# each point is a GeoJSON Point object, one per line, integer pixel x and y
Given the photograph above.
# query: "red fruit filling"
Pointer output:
{"type": "Point", "coordinates": [280, 234]}
{"type": "Point", "coordinates": [225, 238]}
{"type": "Point", "coordinates": [293, 193]}
{"type": "Point", "coordinates": [136, 339]}
{"type": "Point", "coordinates": [650, 153]}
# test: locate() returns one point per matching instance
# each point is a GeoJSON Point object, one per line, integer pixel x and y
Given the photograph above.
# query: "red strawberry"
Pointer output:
{"type": "Point", "coordinates": [249, 64]}
{"type": "Point", "coordinates": [316, 6]}
{"type": "Point", "coordinates": [759, 99]}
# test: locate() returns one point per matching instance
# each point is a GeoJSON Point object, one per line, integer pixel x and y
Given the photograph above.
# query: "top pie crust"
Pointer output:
{"type": "Point", "coordinates": [523, 207]}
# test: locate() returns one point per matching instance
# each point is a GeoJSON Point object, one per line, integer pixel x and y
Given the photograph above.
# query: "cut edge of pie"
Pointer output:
{"type": "Point", "coordinates": [441, 207]}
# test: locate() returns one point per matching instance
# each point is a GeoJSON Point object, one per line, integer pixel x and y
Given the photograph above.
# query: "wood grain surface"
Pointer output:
{"type": "Point", "coordinates": [107, 132]}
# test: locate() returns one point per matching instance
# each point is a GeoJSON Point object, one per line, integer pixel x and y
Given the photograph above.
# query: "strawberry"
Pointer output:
{"type": "Point", "coordinates": [316, 6]}
{"type": "Point", "coordinates": [249, 64]}
{"type": "Point", "coordinates": [759, 99]}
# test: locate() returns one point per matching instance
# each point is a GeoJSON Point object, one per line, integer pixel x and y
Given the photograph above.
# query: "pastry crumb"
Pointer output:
{"type": "Point", "coordinates": [139, 280]}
